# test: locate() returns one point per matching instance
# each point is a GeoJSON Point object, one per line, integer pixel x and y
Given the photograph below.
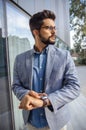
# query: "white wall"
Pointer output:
{"type": "Point", "coordinates": [61, 9]}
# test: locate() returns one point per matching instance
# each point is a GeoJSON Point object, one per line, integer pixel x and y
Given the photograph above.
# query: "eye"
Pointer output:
{"type": "Point", "coordinates": [49, 27]}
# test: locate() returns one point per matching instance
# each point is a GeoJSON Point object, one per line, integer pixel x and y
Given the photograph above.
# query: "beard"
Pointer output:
{"type": "Point", "coordinates": [47, 41]}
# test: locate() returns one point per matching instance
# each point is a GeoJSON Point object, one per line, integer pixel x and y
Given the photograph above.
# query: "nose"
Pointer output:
{"type": "Point", "coordinates": [53, 31]}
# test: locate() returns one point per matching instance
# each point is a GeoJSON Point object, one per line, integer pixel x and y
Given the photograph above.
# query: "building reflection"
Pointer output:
{"type": "Point", "coordinates": [4, 91]}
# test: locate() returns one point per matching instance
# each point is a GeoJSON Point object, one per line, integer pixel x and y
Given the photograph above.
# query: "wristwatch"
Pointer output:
{"type": "Point", "coordinates": [44, 99]}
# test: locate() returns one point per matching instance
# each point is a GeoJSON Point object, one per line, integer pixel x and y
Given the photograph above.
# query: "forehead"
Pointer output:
{"type": "Point", "coordinates": [48, 22]}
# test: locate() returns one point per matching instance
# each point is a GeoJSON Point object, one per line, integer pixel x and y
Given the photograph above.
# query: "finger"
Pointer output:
{"type": "Point", "coordinates": [26, 107]}
{"type": "Point", "coordinates": [34, 94]}
{"type": "Point", "coordinates": [42, 94]}
{"type": "Point", "coordinates": [20, 107]}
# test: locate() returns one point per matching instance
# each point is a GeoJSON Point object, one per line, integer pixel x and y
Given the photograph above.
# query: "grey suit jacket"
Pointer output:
{"type": "Point", "coordinates": [61, 83]}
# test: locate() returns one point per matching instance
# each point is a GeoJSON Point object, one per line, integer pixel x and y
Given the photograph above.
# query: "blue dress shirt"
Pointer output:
{"type": "Point", "coordinates": [37, 116]}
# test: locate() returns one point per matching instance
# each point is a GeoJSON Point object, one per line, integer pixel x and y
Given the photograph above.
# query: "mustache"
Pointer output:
{"type": "Point", "coordinates": [52, 36]}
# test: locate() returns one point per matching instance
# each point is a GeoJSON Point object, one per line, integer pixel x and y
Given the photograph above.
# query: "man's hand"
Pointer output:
{"type": "Point", "coordinates": [30, 102]}
{"type": "Point", "coordinates": [36, 95]}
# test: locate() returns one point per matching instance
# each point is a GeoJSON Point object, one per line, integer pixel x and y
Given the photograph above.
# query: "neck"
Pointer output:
{"type": "Point", "coordinates": [39, 47]}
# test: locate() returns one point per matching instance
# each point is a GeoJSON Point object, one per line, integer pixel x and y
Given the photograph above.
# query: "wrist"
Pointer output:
{"type": "Point", "coordinates": [45, 100]}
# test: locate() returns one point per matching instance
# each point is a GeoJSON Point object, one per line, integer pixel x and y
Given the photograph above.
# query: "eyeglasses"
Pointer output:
{"type": "Point", "coordinates": [49, 28]}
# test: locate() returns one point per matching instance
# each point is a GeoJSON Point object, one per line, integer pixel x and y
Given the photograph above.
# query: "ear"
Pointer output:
{"type": "Point", "coordinates": [35, 32]}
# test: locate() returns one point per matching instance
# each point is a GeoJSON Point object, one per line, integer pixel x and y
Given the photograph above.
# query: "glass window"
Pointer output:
{"type": "Point", "coordinates": [5, 109]}
{"type": "Point", "coordinates": [20, 40]}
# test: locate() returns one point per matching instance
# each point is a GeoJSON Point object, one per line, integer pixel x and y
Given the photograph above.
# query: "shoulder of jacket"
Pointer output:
{"type": "Point", "coordinates": [24, 53]}
{"type": "Point", "coordinates": [60, 51]}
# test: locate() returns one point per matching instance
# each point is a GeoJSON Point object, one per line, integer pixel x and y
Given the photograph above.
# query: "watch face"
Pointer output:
{"type": "Point", "coordinates": [44, 97]}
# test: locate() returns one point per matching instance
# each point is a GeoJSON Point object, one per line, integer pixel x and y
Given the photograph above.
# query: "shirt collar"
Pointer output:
{"type": "Point", "coordinates": [45, 50]}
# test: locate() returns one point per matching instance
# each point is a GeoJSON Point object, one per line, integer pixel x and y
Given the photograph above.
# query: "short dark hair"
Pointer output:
{"type": "Point", "coordinates": [36, 20]}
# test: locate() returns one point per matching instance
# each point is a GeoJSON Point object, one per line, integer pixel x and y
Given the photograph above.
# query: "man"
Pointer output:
{"type": "Point", "coordinates": [44, 78]}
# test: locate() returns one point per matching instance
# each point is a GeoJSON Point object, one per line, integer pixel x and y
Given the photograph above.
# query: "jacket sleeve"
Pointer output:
{"type": "Point", "coordinates": [70, 89]}
{"type": "Point", "coordinates": [17, 87]}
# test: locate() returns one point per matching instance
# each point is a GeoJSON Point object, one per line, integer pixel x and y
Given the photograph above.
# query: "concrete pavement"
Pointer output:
{"type": "Point", "coordinates": [78, 106]}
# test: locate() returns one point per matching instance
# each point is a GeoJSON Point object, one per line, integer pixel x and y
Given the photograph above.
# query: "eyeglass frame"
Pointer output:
{"type": "Point", "coordinates": [49, 28]}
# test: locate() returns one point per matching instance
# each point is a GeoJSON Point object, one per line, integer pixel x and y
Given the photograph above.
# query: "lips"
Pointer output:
{"type": "Point", "coordinates": [53, 37]}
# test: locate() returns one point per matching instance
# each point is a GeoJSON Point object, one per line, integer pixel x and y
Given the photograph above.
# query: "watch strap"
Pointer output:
{"type": "Point", "coordinates": [44, 103]}
{"type": "Point", "coordinates": [44, 99]}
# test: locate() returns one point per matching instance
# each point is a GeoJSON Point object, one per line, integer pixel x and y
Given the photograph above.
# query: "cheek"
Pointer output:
{"type": "Point", "coordinates": [45, 34]}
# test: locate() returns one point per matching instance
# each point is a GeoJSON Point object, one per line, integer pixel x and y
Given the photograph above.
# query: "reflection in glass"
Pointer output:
{"type": "Point", "coordinates": [5, 113]}
{"type": "Point", "coordinates": [20, 40]}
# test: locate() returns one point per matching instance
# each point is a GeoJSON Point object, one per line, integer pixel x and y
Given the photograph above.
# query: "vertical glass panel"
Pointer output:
{"type": "Point", "coordinates": [20, 39]}
{"type": "Point", "coordinates": [5, 111]}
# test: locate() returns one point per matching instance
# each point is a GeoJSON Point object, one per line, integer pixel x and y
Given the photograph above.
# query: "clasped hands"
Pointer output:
{"type": "Point", "coordinates": [31, 101]}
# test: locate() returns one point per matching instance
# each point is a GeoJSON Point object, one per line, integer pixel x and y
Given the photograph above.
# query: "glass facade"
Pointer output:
{"type": "Point", "coordinates": [20, 40]}
{"type": "Point", "coordinates": [5, 107]}
{"type": "Point", "coordinates": [17, 40]}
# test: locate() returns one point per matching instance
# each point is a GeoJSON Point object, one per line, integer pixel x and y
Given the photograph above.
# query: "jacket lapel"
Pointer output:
{"type": "Point", "coordinates": [49, 65]}
{"type": "Point", "coordinates": [29, 66]}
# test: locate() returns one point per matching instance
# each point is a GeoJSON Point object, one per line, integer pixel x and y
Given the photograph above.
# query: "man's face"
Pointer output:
{"type": "Point", "coordinates": [47, 33]}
